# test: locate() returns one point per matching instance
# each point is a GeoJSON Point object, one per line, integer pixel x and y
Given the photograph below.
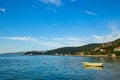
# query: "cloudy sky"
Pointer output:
{"type": "Point", "coordinates": [48, 24]}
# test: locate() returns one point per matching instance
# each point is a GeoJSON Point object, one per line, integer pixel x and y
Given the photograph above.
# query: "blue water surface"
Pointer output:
{"type": "Point", "coordinates": [44, 67]}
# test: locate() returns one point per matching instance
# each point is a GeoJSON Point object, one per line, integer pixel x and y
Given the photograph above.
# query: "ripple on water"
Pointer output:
{"type": "Point", "coordinates": [55, 68]}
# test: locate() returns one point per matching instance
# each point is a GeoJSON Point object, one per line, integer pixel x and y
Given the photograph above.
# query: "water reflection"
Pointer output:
{"type": "Point", "coordinates": [94, 68]}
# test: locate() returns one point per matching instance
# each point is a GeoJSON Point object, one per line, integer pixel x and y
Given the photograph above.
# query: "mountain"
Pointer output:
{"type": "Point", "coordinates": [72, 50]}
{"type": "Point", "coordinates": [108, 48]}
{"type": "Point", "coordinates": [12, 54]}
{"type": "Point", "coordinates": [34, 53]}
{"type": "Point", "coordinates": [96, 49]}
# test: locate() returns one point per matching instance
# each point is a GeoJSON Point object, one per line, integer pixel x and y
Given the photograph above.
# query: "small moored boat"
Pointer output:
{"type": "Point", "coordinates": [94, 68]}
{"type": "Point", "coordinates": [93, 64]}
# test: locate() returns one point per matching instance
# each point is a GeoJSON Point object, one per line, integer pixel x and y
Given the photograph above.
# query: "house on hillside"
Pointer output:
{"type": "Point", "coordinates": [106, 44]}
{"type": "Point", "coordinates": [101, 50]}
{"type": "Point", "coordinates": [80, 53]}
{"type": "Point", "coordinates": [97, 48]}
{"type": "Point", "coordinates": [117, 48]}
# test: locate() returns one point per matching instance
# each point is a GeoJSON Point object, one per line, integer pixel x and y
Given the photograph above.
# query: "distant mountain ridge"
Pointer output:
{"type": "Point", "coordinates": [95, 48]}
{"type": "Point", "coordinates": [72, 50]}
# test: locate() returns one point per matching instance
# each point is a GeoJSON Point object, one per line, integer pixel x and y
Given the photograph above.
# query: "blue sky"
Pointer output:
{"type": "Point", "coordinates": [48, 24]}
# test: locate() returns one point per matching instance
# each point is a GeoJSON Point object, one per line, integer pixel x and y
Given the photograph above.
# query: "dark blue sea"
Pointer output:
{"type": "Point", "coordinates": [23, 67]}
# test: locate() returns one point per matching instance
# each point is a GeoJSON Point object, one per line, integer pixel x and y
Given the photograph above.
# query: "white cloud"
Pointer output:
{"type": "Point", "coordinates": [51, 44]}
{"type": "Point", "coordinates": [106, 38]}
{"type": "Point", "coordinates": [58, 39]}
{"type": "Point", "coordinates": [2, 9]}
{"type": "Point", "coordinates": [57, 3]}
{"type": "Point", "coordinates": [74, 39]}
{"type": "Point", "coordinates": [90, 12]}
{"type": "Point", "coordinates": [76, 43]}
{"type": "Point", "coordinates": [67, 41]}
{"type": "Point", "coordinates": [70, 39]}
{"type": "Point", "coordinates": [21, 38]}
{"type": "Point", "coordinates": [43, 37]}
{"type": "Point", "coordinates": [57, 44]}
{"type": "Point", "coordinates": [115, 34]}
{"type": "Point", "coordinates": [98, 37]}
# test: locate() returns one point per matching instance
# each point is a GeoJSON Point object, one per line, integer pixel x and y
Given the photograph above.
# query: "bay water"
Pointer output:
{"type": "Point", "coordinates": [44, 67]}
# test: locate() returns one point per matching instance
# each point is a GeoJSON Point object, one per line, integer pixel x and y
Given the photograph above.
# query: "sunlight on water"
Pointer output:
{"type": "Point", "coordinates": [21, 67]}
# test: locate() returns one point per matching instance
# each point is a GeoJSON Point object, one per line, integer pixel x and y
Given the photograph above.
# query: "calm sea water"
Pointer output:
{"type": "Point", "coordinates": [21, 67]}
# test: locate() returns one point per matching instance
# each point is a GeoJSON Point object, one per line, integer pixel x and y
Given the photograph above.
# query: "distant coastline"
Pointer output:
{"type": "Point", "coordinates": [108, 49]}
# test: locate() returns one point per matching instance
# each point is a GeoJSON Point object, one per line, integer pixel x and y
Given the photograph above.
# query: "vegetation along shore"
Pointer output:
{"type": "Point", "coordinates": [111, 49]}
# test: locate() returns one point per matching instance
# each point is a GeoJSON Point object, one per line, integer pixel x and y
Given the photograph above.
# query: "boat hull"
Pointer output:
{"type": "Point", "coordinates": [93, 64]}
{"type": "Point", "coordinates": [94, 68]}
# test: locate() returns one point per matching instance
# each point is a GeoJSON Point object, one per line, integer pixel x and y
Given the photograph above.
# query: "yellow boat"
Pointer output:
{"type": "Point", "coordinates": [93, 64]}
{"type": "Point", "coordinates": [91, 67]}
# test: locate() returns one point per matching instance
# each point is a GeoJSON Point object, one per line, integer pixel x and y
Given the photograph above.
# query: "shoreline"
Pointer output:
{"type": "Point", "coordinates": [94, 55]}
